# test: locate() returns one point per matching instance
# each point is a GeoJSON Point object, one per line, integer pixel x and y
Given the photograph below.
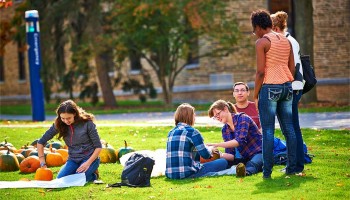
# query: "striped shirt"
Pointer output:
{"type": "Point", "coordinates": [182, 160]}
{"type": "Point", "coordinates": [246, 133]}
{"type": "Point", "coordinates": [276, 69]}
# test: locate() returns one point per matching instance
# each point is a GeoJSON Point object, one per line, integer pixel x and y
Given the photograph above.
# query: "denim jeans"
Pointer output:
{"type": "Point", "coordinates": [255, 164]}
{"type": "Point", "coordinates": [213, 166]}
{"type": "Point", "coordinates": [71, 168]}
{"type": "Point", "coordinates": [276, 99]}
{"type": "Point", "coordinates": [300, 160]}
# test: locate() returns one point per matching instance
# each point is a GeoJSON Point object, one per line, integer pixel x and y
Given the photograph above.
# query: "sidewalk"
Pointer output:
{"type": "Point", "coordinates": [331, 120]}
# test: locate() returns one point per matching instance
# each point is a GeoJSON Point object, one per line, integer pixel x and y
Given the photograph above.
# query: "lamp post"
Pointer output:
{"type": "Point", "coordinates": [34, 59]}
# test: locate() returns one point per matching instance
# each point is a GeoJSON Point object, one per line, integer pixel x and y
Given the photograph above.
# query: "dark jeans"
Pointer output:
{"type": "Point", "coordinates": [276, 99]}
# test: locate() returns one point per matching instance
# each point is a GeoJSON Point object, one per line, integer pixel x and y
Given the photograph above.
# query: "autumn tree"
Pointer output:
{"type": "Point", "coordinates": [162, 32]}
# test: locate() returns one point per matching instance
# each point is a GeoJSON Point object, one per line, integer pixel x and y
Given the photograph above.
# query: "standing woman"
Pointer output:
{"type": "Point", "coordinates": [279, 25]}
{"type": "Point", "coordinates": [79, 132]}
{"type": "Point", "coordinates": [273, 93]}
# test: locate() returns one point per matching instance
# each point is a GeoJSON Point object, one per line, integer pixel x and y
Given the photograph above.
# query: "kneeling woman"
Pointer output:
{"type": "Point", "coordinates": [79, 133]}
{"type": "Point", "coordinates": [183, 146]}
{"type": "Point", "coordinates": [239, 133]}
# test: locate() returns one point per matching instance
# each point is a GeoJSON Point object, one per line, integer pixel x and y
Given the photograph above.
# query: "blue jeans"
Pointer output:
{"type": "Point", "coordinates": [254, 165]}
{"type": "Point", "coordinates": [300, 160]}
{"type": "Point", "coordinates": [276, 99]}
{"type": "Point", "coordinates": [71, 168]}
{"type": "Point", "coordinates": [300, 143]}
{"type": "Point", "coordinates": [213, 166]}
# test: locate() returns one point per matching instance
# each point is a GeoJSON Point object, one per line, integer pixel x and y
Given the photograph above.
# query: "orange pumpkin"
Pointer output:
{"type": "Point", "coordinates": [29, 164]}
{"type": "Point", "coordinates": [215, 156]}
{"type": "Point", "coordinates": [54, 159]}
{"type": "Point", "coordinates": [64, 154]}
{"type": "Point", "coordinates": [43, 174]}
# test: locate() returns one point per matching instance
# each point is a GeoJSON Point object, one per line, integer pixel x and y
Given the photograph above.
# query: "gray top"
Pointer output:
{"type": "Point", "coordinates": [82, 139]}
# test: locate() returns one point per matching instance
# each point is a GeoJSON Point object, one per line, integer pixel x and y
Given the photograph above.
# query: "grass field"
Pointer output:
{"type": "Point", "coordinates": [328, 177]}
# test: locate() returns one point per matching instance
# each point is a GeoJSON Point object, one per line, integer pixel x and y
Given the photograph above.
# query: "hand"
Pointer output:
{"type": "Point", "coordinates": [215, 150]}
{"type": "Point", "coordinates": [83, 167]}
{"type": "Point", "coordinates": [211, 144]}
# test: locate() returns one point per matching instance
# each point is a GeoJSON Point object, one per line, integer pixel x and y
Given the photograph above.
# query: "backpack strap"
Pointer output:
{"type": "Point", "coordinates": [120, 184]}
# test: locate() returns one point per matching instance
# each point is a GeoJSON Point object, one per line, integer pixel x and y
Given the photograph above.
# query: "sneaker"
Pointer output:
{"type": "Point", "coordinates": [97, 174]}
{"type": "Point", "coordinates": [240, 170]}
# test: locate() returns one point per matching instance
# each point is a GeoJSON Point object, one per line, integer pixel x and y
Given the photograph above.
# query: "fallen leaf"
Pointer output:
{"type": "Point", "coordinates": [209, 186]}
{"type": "Point", "coordinates": [24, 179]}
{"type": "Point", "coordinates": [197, 186]}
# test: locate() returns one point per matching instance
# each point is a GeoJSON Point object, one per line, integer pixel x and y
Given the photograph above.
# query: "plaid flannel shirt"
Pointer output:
{"type": "Point", "coordinates": [182, 160]}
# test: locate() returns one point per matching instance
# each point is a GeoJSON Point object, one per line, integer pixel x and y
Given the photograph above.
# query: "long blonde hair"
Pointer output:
{"type": "Point", "coordinates": [184, 113]}
{"type": "Point", "coordinates": [220, 105]}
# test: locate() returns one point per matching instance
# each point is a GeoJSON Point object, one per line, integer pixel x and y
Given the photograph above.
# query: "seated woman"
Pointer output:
{"type": "Point", "coordinates": [183, 146]}
{"type": "Point", "coordinates": [239, 132]}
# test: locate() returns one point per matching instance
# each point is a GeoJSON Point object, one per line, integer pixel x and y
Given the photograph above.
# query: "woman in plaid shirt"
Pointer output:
{"type": "Point", "coordinates": [184, 146]}
{"type": "Point", "coordinates": [239, 133]}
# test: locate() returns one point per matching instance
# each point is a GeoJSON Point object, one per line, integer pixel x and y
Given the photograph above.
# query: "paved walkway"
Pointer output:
{"type": "Point", "coordinates": [331, 120]}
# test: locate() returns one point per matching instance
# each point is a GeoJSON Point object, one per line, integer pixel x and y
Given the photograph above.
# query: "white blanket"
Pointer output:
{"type": "Point", "coordinates": [67, 181]}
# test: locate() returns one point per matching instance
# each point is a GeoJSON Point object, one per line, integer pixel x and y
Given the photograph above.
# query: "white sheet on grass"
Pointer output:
{"type": "Point", "coordinates": [67, 181]}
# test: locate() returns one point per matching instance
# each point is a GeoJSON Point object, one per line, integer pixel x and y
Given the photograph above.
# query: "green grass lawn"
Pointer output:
{"type": "Point", "coordinates": [130, 106]}
{"type": "Point", "coordinates": [328, 177]}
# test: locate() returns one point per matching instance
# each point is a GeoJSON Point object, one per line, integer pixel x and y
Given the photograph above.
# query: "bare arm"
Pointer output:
{"type": "Point", "coordinates": [40, 149]}
{"type": "Point", "coordinates": [261, 47]}
{"type": "Point", "coordinates": [229, 144]}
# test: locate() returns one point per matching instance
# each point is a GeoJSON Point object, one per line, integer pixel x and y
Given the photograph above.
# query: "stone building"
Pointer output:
{"type": "Point", "coordinates": [212, 78]}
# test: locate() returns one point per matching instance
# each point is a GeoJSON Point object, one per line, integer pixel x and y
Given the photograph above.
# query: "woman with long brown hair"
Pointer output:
{"type": "Point", "coordinates": [77, 129]}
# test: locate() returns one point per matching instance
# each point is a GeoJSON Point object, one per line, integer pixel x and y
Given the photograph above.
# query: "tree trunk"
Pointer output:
{"type": "Point", "coordinates": [304, 32]}
{"type": "Point", "coordinates": [105, 82]}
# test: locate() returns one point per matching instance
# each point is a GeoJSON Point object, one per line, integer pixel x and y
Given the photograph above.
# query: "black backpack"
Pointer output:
{"type": "Point", "coordinates": [137, 172]}
{"type": "Point", "coordinates": [308, 73]}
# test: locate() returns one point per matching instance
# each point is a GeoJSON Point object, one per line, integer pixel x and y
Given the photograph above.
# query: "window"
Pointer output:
{"type": "Point", "coordinates": [21, 65]}
{"type": "Point", "coordinates": [135, 61]}
{"type": "Point", "coordinates": [286, 6]}
{"type": "Point", "coordinates": [192, 57]}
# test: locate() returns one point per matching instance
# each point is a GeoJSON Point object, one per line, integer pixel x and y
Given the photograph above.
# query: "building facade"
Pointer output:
{"type": "Point", "coordinates": [212, 78]}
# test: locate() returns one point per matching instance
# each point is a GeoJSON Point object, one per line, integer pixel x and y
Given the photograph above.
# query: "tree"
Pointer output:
{"type": "Point", "coordinates": [162, 32]}
{"type": "Point", "coordinates": [304, 18]}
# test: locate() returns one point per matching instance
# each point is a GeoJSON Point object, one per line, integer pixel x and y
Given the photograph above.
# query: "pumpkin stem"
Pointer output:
{"type": "Point", "coordinates": [125, 144]}
{"type": "Point", "coordinates": [8, 150]}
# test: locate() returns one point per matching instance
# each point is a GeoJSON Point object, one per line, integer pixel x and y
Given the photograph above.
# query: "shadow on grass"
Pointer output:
{"type": "Point", "coordinates": [182, 181]}
{"type": "Point", "coordinates": [281, 183]}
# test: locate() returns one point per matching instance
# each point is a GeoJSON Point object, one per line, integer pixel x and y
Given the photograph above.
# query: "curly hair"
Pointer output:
{"type": "Point", "coordinates": [279, 19]}
{"type": "Point", "coordinates": [261, 18]}
{"type": "Point", "coordinates": [70, 107]}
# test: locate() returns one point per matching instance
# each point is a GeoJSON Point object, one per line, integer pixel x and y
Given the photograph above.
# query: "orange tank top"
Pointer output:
{"type": "Point", "coordinates": [276, 66]}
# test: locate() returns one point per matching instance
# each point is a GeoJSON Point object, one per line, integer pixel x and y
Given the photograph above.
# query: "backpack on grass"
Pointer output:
{"type": "Point", "coordinates": [137, 172]}
{"type": "Point", "coordinates": [308, 73]}
{"type": "Point", "coordinates": [280, 153]}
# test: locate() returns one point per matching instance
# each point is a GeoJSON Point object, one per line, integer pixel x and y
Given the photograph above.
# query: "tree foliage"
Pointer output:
{"type": "Point", "coordinates": [162, 31]}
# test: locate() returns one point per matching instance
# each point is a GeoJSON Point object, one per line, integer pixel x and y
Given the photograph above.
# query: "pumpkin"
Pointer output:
{"type": "Point", "coordinates": [54, 159]}
{"type": "Point", "coordinates": [56, 145]}
{"type": "Point", "coordinates": [29, 164]}
{"type": "Point", "coordinates": [5, 143]}
{"type": "Point", "coordinates": [214, 157]}
{"type": "Point", "coordinates": [20, 157]}
{"type": "Point", "coordinates": [8, 162]}
{"type": "Point", "coordinates": [108, 155]}
{"type": "Point", "coordinates": [36, 153]}
{"type": "Point", "coordinates": [26, 150]}
{"type": "Point", "coordinates": [43, 174]}
{"type": "Point", "coordinates": [124, 150]}
{"type": "Point", "coordinates": [64, 154]}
